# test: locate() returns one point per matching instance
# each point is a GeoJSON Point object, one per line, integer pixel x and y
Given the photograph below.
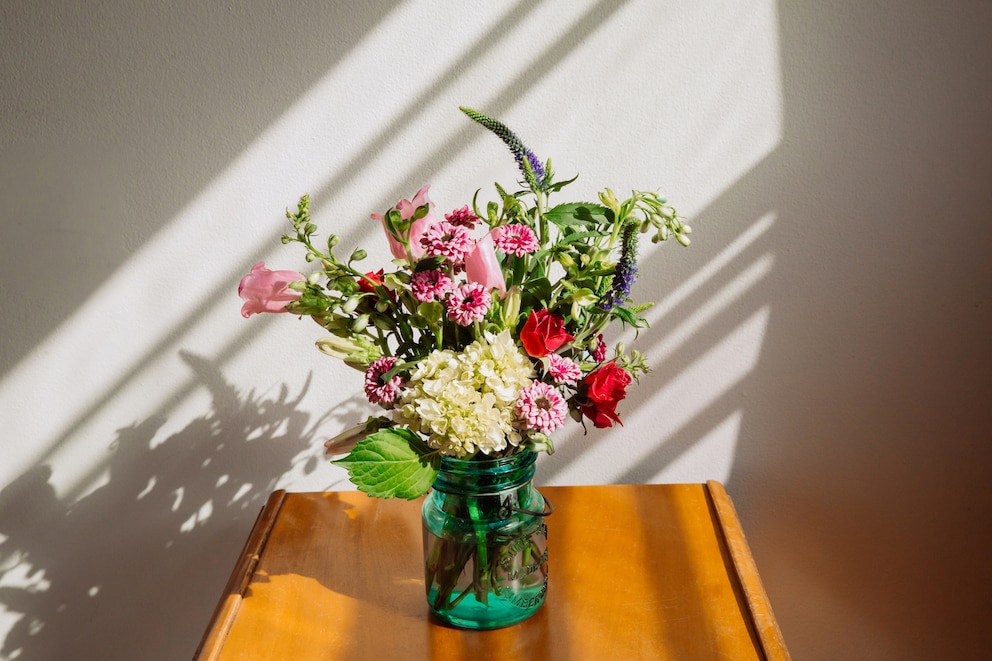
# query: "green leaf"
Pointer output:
{"type": "Point", "coordinates": [432, 311]}
{"type": "Point", "coordinates": [577, 236]}
{"type": "Point", "coordinates": [579, 214]}
{"type": "Point", "coordinates": [558, 185]}
{"type": "Point", "coordinates": [428, 264]}
{"type": "Point", "coordinates": [540, 289]}
{"type": "Point", "coordinates": [392, 463]}
{"type": "Point", "coordinates": [629, 318]}
{"type": "Point", "coordinates": [519, 268]}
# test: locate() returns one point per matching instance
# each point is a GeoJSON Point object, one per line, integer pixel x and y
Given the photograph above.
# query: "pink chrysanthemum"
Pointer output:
{"type": "Point", "coordinates": [376, 390]}
{"type": "Point", "coordinates": [446, 240]}
{"type": "Point", "coordinates": [463, 217]}
{"type": "Point", "coordinates": [563, 370]}
{"type": "Point", "coordinates": [468, 303]}
{"type": "Point", "coordinates": [430, 285]}
{"type": "Point", "coordinates": [542, 407]}
{"type": "Point", "coordinates": [515, 239]}
{"type": "Point", "coordinates": [599, 353]}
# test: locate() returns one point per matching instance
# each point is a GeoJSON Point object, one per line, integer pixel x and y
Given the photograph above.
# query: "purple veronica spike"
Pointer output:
{"type": "Point", "coordinates": [626, 272]}
{"type": "Point", "coordinates": [529, 164]}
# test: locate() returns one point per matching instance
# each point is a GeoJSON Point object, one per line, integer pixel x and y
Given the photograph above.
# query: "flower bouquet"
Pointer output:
{"type": "Point", "coordinates": [481, 339]}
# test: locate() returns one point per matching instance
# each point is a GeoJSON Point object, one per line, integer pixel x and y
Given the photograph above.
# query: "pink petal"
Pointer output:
{"type": "Point", "coordinates": [481, 266]}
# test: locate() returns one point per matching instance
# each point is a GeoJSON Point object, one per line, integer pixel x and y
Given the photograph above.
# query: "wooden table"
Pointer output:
{"type": "Point", "coordinates": [636, 572]}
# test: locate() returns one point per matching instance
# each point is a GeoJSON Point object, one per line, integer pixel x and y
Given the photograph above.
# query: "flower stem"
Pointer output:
{"type": "Point", "coordinates": [481, 568]}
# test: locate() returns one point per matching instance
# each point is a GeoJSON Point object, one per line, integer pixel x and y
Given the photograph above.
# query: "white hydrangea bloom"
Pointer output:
{"type": "Point", "coordinates": [464, 402]}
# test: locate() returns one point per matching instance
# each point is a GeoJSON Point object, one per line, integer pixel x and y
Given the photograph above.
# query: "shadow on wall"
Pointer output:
{"type": "Point", "coordinates": [108, 100]}
{"type": "Point", "coordinates": [864, 448]}
{"type": "Point", "coordinates": [183, 508]}
{"type": "Point", "coordinates": [133, 568]}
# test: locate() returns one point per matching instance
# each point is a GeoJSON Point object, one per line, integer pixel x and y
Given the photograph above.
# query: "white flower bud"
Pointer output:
{"type": "Point", "coordinates": [511, 307]}
{"type": "Point", "coordinates": [337, 347]}
{"type": "Point", "coordinates": [350, 305]}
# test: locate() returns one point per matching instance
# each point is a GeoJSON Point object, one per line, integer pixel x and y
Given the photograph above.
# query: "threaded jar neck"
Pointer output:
{"type": "Point", "coordinates": [479, 477]}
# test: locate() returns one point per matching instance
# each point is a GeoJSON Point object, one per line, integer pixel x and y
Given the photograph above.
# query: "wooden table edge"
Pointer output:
{"type": "Point", "coordinates": [227, 608]}
{"type": "Point", "coordinates": [766, 627]}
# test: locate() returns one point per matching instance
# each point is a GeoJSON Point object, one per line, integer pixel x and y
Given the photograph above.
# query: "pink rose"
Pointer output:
{"type": "Point", "coordinates": [417, 229]}
{"type": "Point", "coordinates": [481, 266]}
{"type": "Point", "coordinates": [265, 290]}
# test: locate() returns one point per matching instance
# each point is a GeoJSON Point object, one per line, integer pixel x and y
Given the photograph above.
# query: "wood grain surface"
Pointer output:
{"type": "Point", "coordinates": [636, 572]}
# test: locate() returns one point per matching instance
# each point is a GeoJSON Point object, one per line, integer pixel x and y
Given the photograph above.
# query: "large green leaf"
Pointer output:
{"type": "Point", "coordinates": [579, 214]}
{"type": "Point", "coordinates": [392, 463]}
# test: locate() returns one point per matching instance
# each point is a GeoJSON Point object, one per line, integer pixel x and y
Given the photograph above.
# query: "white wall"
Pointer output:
{"type": "Point", "coordinates": [823, 348]}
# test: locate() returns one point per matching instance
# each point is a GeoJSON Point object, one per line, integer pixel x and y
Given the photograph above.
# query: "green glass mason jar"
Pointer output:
{"type": "Point", "coordinates": [485, 542]}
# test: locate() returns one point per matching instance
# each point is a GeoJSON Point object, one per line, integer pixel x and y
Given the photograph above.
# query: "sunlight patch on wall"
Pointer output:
{"type": "Point", "coordinates": [699, 318]}
{"type": "Point", "coordinates": [684, 290]}
{"type": "Point", "coordinates": [709, 458]}
{"type": "Point", "coordinates": [178, 289]}
{"type": "Point", "coordinates": [692, 396]}
{"type": "Point", "coordinates": [736, 116]}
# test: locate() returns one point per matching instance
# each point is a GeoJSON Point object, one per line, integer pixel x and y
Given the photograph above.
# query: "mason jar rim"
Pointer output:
{"type": "Point", "coordinates": [487, 476]}
{"type": "Point", "coordinates": [517, 459]}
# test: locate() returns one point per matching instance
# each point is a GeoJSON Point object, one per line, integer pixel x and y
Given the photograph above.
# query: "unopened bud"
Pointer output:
{"type": "Point", "coordinates": [337, 347]}
{"type": "Point", "coordinates": [358, 255]}
{"type": "Point", "coordinates": [421, 212]}
{"type": "Point", "coordinates": [360, 324]}
{"type": "Point", "coordinates": [683, 239]}
{"type": "Point", "coordinates": [511, 307]}
{"type": "Point", "coordinates": [350, 305]}
{"type": "Point", "coordinates": [609, 199]}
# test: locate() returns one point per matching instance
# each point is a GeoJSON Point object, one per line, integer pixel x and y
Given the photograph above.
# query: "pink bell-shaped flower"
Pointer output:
{"type": "Point", "coordinates": [265, 290]}
{"type": "Point", "coordinates": [481, 266]}
{"type": "Point", "coordinates": [417, 228]}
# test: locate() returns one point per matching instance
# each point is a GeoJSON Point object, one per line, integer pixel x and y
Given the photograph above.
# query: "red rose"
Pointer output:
{"type": "Point", "coordinates": [543, 333]}
{"type": "Point", "coordinates": [601, 391]}
{"type": "Point", "coordinates": [367, 287]}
